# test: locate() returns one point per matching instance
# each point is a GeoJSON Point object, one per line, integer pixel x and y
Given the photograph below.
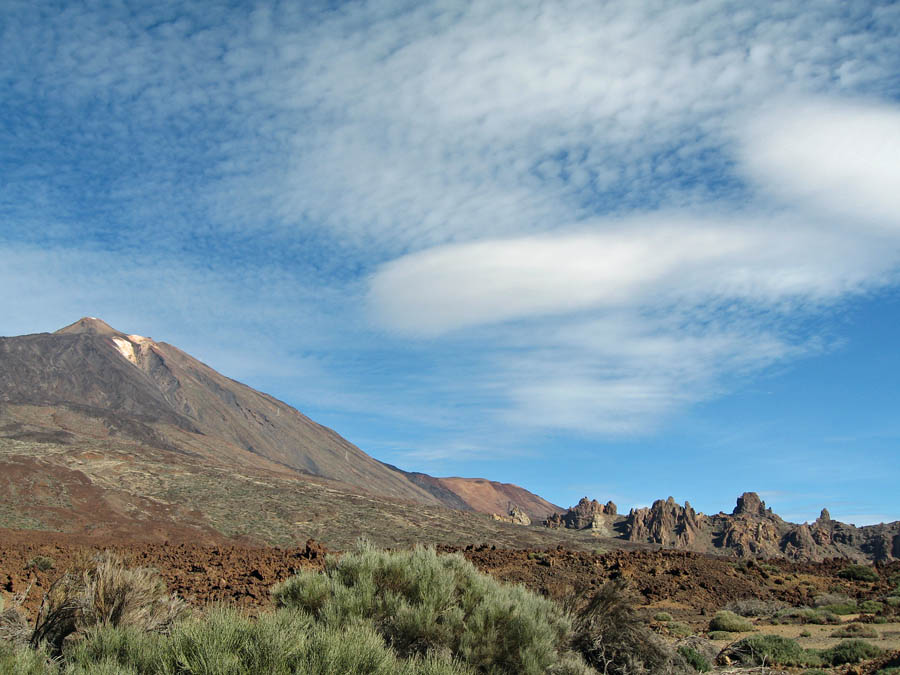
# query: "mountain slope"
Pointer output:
{"type": "Point", "coordinates": [155, 393]}
{"type": "Point", "coordinates": [90, 383]}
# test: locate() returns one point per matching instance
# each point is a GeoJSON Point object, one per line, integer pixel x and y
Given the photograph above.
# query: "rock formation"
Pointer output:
{"type": "Point", "coordinates": [586, 514]}
{"type": "Point", "coordinates": [665, 523]}
{"type": "Point", "coordinates": [515, 515]}
{"type": "Point", "coordinates": [750, 530]}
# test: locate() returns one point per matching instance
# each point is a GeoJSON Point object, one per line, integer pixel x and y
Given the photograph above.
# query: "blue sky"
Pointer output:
{"type": "Point", "coordinates": [625, 250]}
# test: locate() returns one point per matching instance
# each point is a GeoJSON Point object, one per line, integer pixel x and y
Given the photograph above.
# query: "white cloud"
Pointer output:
{"type": "Point", "coordinates": [646, 262]}
{"type": "Point", "coordinates": [653, 312]}
{"type": "Point", "coordinates": [494, 153]}
{"type": "Point", "coordinates": [830, 157]}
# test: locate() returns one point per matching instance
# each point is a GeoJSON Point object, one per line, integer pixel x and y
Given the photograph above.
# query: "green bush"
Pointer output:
{"type": "Point", "coordinates": [858, 573]}
{"type": "Point", "coordinates": [893, 601]}
{"type": "Point", "coordinates": [842, 609]}
{"type": "Point", "coordinates": [731, 622]}
{"type": "Point", "coordinates": [719, 635]}
{"type": "Point", "coordinates": [850, 651]}
{"type": "Point", "coordinates": [40, 562]}
{"type": "Point", "coordinates": [772, 650]}
{"type": "Point", "coordinates": [894, 670]}
{"type": "Point", "coordinates": [421, 602]}
{"type": "Point", "coordinates": [803, 615]}
{"type": "Point", "coordinates": [126, 647]}
{"type": "Point", "coordinates": [226, 641]}
{"type": "Point", "coordinates": [695, 659]}
{"type": "Point", "coordinates": [662, 616]}
{"type": "Point", "coordinates": [679, 629]}
{"type": "Point", "coordinates": [855, 630]}
{"type": "Point", "coordinates": [23, 660]}
{"type": "Point", "coordinates": [870, 607]}
{"type": "Point", "coordinates": [835, 598]}
{"type": "Point", "coordinates": [805, 633]}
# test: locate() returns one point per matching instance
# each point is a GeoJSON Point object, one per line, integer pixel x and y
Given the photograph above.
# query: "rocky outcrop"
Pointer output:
{"type": "Point", "coordinates": [666, 523]}
{"type": "Point", "coordinates": [516, 516]}
{"type": "Point", "coordinates": [750, 530]}
{"type": "Point", "coordinates": [587, 514]}
{"type": "Point", "coordinates": [749, 504]}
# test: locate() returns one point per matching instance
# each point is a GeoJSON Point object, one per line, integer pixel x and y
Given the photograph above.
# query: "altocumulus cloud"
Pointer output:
{"type": "Point", "coordinates": [612, 208]}
{"type": "Point", "coordinates": [667, 305]}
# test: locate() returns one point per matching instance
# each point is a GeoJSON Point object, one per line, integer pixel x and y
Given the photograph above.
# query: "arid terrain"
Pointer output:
{"type": "Point", "coordinates": [676, 592]}
{"type": "Point", "coordinates": [116, 442]}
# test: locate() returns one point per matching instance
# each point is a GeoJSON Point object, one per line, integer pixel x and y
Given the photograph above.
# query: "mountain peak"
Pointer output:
{"type": "Point", "coordinates": [88, 325]}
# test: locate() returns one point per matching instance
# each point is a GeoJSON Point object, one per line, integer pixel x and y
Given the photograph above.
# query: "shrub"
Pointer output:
{"type": "Point", "coordinates": [126, 647]}
{"type": "Point", "coordinates": [731, 622]}
{"type": "Point", "coordinates": [842, 609]}
{"type": "Point", "coordinates": [805, 633]}
{"type": "Point", "coordinates": [831, 599]}
{"type": "Point", "coordinates": [870, 607]}
{"type": "Point", "coordinates": [695, 659]}
{"type": "Point", "coordinates": [894, 670]}
{"type": "Point", "coordinates": [719, 635]}
{"type": "Point", "coordinates": [855, 630]}
{"type": "Point", "coordinates": [850, 651]}
{"type": "Point", "coordinates": [104, 592]}
{"type": "Point", "coordinates": [21, 660]}
{"type": "Point", "coordinates": [893, 601]}
{"type": "Point", "coordinates": [612, 638]}
{"type": "Point", "coordinates": [14, 628]}
{"type": "Point", "coordinates": [771, 650]}
{"type": "Point", "coordinates": [662, 616]}
{"type": "Point", "coordinates": [858, 573]}
{"type": "Point", "coordinates": [754, 607]}
{"type": "Point", "coordinates": [41, 563]}
{"type": "Point", "coordinates": [228, 641]}
{"type": "Point", "coordinates": [807, 615]}
{"type": "Point", "coordinates": [679, 629]}
{"type": "Point", "coordinates": [420, 602]}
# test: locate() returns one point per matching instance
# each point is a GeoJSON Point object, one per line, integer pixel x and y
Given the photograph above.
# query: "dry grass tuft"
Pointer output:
{"type": "Point", "coordinates": [103, 592]}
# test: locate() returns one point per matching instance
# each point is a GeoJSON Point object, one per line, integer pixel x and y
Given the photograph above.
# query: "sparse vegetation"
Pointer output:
{"type": "Point", "coordinates": [850, 651]}
{"type": "Point", "coordinates": [769, 650]}
{"type": "Point", "coordinates": [754, 607]}
{"type": "Point", "coordinates": [679, 629]}
{"type": "Point", "coordinates": [103, 592]}
{"type": "Point", "coordinates": [719, 635]}
{"type": "Point", "coordinates": [870, 607]}
{"type": "Point", "coordinates": [842, 609]}
{"type": "Point", "coordinates": [662, 617]}
{"type": "Point", "coordinates": [695, 659]}
{"type": "Point", "coordinates": [834, 598]}
{"type": "Point", "coordinates": [775, 650]}
{"type": "Point", "coordinates": [858, 573]}
{"type": "Point", "coordinates": [730, 622]}
{"type": "Point", "coordinates": [806, 615]}
{"type": "Point", "coordinates": [855, 630]}
{"type": "Point", "coordinates": [40, 562]}
{"type": "Point", "coordinates": [613, 640]}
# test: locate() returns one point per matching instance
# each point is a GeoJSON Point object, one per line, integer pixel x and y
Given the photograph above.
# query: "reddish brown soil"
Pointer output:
{"type": "Point", "coordinates": [688, 585]}
{"type": "Point", "coordinates": [200, 574]}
